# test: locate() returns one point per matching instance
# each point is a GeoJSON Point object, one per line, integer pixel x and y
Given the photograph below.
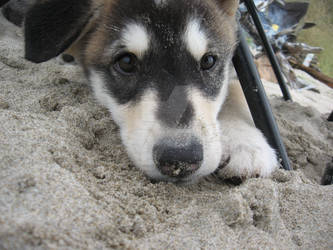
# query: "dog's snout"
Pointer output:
{"type": "Point", "coordinates": [177, 160]}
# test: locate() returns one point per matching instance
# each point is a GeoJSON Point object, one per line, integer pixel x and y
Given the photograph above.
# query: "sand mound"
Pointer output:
{"type": "Point", "coordinates": [66, 182]}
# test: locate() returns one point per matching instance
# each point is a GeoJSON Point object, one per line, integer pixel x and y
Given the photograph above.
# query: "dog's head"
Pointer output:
{"type": "Point", "coordinates": [160, 67]}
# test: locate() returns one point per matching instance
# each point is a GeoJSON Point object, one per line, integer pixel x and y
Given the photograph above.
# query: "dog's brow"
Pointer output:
{"type": "Point", "coordinates": [136, 38]}
{"type": "Point", "coordinates": [195, 39]}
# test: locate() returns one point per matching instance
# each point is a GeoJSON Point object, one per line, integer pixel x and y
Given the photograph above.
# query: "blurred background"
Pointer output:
{"type": "Point", "coordinates": [321, 13]}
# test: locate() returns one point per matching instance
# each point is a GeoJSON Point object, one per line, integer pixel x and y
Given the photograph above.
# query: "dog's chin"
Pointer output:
{"type": "Point", "coordinates": [179, 181]}
{"type": "Point", "coordinates": [155, 177]}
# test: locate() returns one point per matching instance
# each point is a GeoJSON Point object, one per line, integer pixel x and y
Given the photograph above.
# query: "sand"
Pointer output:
{"type": "Point", "coordinates": [66, 182]}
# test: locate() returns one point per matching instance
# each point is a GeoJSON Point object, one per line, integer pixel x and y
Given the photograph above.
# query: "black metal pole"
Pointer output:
{"type": "Point", "coordinates": [252, 9]}
{"type": "Point", "coordinates": [330, 118]}
{"type": "Point", "coordinates": [257, 99]}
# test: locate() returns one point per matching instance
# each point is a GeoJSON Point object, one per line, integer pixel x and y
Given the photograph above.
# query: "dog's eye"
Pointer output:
{"type": "Point", "coordinates": [126, 64]}
{"type": "Point", "coordinates": [207, 62]}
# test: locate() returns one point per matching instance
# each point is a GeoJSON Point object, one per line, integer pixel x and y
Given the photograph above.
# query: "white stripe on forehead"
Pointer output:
{"type": "Point", "coordinates": [195, 39]}
{"type": "Point", "coordinates": [136, 38]}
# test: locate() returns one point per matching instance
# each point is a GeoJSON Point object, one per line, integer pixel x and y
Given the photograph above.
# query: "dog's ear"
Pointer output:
{"type": "Point", "coordinates": [3, 2]}
{"type": "Point", "coordinates": [52, 26]}
{"type": "Point", "coordinates": [15, 10]}
{"type": "Point", "coordinates": [229, 6]}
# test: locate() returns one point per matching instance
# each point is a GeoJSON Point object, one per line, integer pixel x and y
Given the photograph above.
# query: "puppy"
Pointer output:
{"type": "Point", "coordinates": [162, 69]}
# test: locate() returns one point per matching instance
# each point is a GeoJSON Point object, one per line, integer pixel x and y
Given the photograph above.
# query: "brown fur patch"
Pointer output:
{"type": "Point", "coordinates": [89, 47]}
{"type": "Point", "coordinates": [223, 17]}
{"type": "Point", "coordinates": [229, 6]}
{"type": "Point", "coordinates": [97, 39]}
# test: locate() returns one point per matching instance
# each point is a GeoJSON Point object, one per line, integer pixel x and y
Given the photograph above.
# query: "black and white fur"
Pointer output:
{"type": "Point", "coordinates": [178, 119]}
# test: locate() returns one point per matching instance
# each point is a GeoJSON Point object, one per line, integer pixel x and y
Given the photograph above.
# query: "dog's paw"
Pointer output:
{"type": "Point", "coordinates": [246, 154]}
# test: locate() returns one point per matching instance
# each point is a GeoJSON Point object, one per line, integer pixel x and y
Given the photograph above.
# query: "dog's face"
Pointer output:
{"type": "Point", "coordinates": [161, 68]}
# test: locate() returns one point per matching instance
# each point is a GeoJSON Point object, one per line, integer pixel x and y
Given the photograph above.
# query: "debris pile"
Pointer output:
{"type": "Point", "coordinates": [282, 22]}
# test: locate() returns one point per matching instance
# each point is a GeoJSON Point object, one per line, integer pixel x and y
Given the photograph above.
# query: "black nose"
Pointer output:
{"type": "Point", "coordinates": [176, 159]}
